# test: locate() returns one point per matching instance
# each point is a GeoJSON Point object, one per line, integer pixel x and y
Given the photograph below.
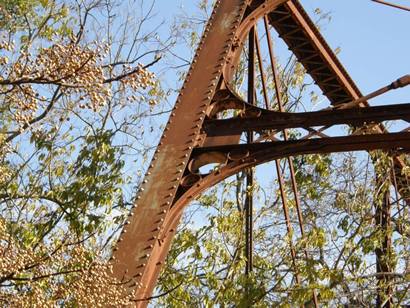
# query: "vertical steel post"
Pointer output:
{"type": "Point", "coordinates": [383, 253]}
{"type": "Point", "coordinates": [249, 175]}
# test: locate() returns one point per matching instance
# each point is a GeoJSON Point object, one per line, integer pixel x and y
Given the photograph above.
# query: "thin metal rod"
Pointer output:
{"type": "Point", "coordinates": [249, 174]}
{"type": "Point", "coordinates": [399, 83]}
{"type": "Point", "coordinates": [290, 159]}
{"type": "Point", "coordinates": [397, 6]}
{"type": "Point", "coordinates": [261, 70]}
{"type": "Point", "coordinates": [289, 228]}
{"type": "Point", "coordinates": [280, 176]}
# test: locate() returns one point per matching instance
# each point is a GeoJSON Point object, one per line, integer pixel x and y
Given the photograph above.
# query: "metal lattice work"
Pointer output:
{"type": "Point", "coordinates": [196, 135]}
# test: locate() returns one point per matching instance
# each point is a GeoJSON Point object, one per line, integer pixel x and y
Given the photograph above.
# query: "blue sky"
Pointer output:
{"type": "Point", "coordinates": [373, 38]}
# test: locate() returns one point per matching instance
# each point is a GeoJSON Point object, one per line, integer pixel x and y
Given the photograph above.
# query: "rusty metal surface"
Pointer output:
{"type": "Point", "coordinates": [299, 32]}
{"type": "Point", "coordinates": [191, 138]}
{"type": "Point", "coordinates": [135, 259]}
{"type": "Point", "coordinates": [260, 153]}
{"type": "Point", "coordinates": [391, 141]}
{"type": "Point", "coordinates": [271, 120]}
{"type": "Point", "coordinates": [249, 172]}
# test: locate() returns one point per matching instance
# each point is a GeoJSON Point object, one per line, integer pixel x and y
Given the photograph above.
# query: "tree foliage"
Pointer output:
{"type": "Point", "coordinates": [75, 95]}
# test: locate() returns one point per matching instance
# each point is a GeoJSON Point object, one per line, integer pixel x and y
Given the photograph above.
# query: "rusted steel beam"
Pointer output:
{"type": "Point", "coordinates": [325, 62]}
{"type": "Point", "coordinates": [390, 141]}
{"type": "Point", "coordinates": [143, 243]}
{"type": "Point", "coordinates": [282, 120]}
{"type": "Point", "coordinates": [243, 156]}
{"type": "Point", "coordinates": [249, 172]}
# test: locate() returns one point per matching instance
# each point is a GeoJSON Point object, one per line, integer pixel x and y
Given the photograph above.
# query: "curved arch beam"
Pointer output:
{"type": "Point", "coordinates": [242, 32]}
{"type": "Point", "coordinates": [266, 152]}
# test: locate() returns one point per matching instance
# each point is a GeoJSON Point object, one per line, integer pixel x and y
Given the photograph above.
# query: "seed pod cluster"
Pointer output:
{"type": "Point", "coordinates": [78, 72]}
{"type": "Point", "coordinates": [86, 281]}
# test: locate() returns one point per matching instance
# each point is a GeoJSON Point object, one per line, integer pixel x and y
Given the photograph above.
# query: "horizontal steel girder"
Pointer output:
{"type": "Point", "coordinates": [282, 120]}
{"type": "Point", "coordinates": [280, 149]}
